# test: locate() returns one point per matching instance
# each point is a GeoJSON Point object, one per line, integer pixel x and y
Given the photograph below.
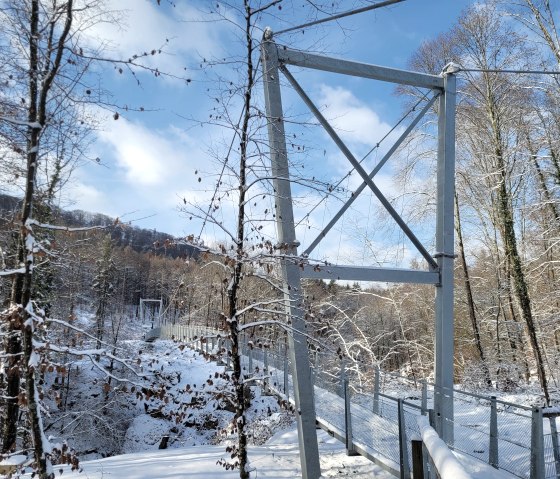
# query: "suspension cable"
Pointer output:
{"type": "Point", "coordinates": [340, 15]}
{"type": "Point", "coordinates": [376, 146]}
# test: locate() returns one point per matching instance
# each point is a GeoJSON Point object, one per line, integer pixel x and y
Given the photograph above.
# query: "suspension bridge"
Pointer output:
{"type": "Point", "coordinates": [379, 419]}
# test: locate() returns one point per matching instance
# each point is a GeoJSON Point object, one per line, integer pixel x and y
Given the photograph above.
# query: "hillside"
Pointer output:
{"type": "Point", "coordinates": [123, 234]}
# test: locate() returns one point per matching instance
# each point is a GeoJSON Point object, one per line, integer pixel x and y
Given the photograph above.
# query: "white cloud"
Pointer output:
{"type": "Point", "coordinates": [144, 173]}
{"type": "Point", "coordinates": [355, 121]}
{"type": "Point", "coordinates": [147, 157]}
{"type": "Point", "coordinates": [143, 26]}
{"type": "Point", "coordinates": [88, 197]}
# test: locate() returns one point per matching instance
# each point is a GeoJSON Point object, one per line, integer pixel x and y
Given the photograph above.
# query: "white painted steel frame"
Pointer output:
{"type": "Point", "coordinates": [367, 179]}
{"type": "Point", "coordinates": [301, 370]}
{"type": "Point", "coordinates": [143, 311]}
{"type": "Point", "coordinates": [441, 270]}
{"type": "Point", "coordinates": [357, 69]}
{"type": "Point", "coordinates": [445, 246]}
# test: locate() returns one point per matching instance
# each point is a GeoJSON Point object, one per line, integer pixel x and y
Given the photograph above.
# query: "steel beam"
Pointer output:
{"type": "Point", "coordinates": [445, 231]}
{"type": "Point", "coordinates": [360, 170]}
{"type": "Point", "coordinates": [301, 371]}
{"type": "Point", "coordinates": [366, 273]}
{"type": "Point", "coordinates": [364, 70]}
{"type": "Point", "coordinates": [441, 272]}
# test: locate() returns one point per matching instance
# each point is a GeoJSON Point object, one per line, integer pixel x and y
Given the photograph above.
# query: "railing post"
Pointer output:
{"type": "Point", "coordinates": [376, 392]}
{"type": "Point", "coordinates": [555, 446]}
{"type": "Point", "coordinates": [403, 443]}
{"type": "Point", "coordinates": [493, 458]}
{"type": "Point", "coordinates": [342, 379]}
{"type": "Point", "coordinates": [424, 406]}
{"type": "Point", "coordinates": [286, 381]}
{"type": "Point", "coordinates": [430, 462]}
{"type": "Point", "coordinates": [350, 450]}
{"type": "Point", "coordinates": [265, 369]}
{"type": "Point", "coordinates": [250, 354]}
{"type": "Point", "coordinates": [537, 444]}
{"type": "Point", "coordinates": [432, 418]}
{"type": "Point", "coordinates": [417, 459]}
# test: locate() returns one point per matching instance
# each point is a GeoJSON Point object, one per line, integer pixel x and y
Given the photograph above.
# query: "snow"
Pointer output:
{"type": "Point", "coordinates": [194, 412]}
{"type": "Point", "coordinates": [194, 449]}
{"type": "Point", "coordinates": [445, 462]}
{"type": "Point", "coordinates": [277, 459]}
{"type": "Point", "coordinates": [14, 460]}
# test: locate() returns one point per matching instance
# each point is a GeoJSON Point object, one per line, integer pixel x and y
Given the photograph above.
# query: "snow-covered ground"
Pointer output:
{"type": "Point", "coordinates": [278, 458]}
{"type": "Point", "coordinates": [184, 397]}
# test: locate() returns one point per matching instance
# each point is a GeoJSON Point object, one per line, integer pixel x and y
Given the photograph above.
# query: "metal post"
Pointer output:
{"type": "Point", "coordinates": [250, 354]}
{"type": "Point", "coordinates": [493, 458]}
{"type": "Point", "coordinates": [342, 379]}
{"type": "Point", "coordinates": [432, 418]}
{"type": "Point", "coordinates": [429, 464]}
{"type": "Point", "coordinates": [301, 372]}
{"type": "Point", "coordinates": [424, 406]}
{"type": "Point", "coordinates": [350, 450]}
{"type": "Point", "coordinates": [286, 383]}
{"type": "Point", "coordinates": [555, 445]}
{"type": "Point", "coordinates": [417, 459]}
{"type": "Point", "coordinates": [537, 444]}
{"type": "Point", "coordinates": [376, 392]}
{"type": "Point", "coordinates": [403, 443]}
{"type": "Point", "coordinates": [265, 369]}
{"type": "Point", "coordinates": [443, 400]}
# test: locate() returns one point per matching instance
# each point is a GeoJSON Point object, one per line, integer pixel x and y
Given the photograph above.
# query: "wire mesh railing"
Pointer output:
{"type": "Point", "coordinates": [378, 418]}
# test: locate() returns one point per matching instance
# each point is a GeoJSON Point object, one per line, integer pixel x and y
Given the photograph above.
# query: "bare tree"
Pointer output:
{"type": "Point", "coordinates": [43, 125]}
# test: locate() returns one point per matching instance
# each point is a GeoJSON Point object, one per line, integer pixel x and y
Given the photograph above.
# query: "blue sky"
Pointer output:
{"type": "Point", "coordinates": [149, 159]}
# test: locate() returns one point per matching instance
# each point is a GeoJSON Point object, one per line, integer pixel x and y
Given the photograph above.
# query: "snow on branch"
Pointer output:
{"type": "Point", "coordinates": [91, 354]}
{"type": "Point", "coordinates": [34, 124]}
{"type": "Point", "coordinates": [10, 272]}
{"type": "Point", "coordinates": [31, 222]}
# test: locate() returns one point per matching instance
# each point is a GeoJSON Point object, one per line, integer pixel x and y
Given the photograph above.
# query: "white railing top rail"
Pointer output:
{"type": "Point", "coordinates": [445, 462]}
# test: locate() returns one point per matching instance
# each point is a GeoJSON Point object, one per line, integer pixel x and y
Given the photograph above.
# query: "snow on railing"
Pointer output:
{"type": "Point", "coordinates": [444, 461]}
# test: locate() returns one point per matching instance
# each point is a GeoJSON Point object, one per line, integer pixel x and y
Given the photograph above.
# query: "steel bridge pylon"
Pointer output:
{"type": "Point", "coordinates": [439, 270]}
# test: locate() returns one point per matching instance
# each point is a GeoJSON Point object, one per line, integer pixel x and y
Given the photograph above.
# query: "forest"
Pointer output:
{"type": "Point", "coordinates": [71, 281]}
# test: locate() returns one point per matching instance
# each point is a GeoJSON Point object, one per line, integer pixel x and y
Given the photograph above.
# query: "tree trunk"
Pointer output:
{"type": "Point", "coordinates": [21, 304]}
{"type": "Point", "coordinates": [468, 291]}
{"type": "Point", "coordinates": [505, 218]}
{"type": "Point", "coordinates": [233, 291]}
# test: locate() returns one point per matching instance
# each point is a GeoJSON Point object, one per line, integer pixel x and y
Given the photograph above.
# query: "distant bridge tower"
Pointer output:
{"type": "Point", "coordinates": [151, 312]}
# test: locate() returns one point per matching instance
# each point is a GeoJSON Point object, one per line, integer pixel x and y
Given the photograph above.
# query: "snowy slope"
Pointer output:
{"type": "Point", "coordinates": [279, 458]}
{"type": "Point", "coordinates": [187, 401]}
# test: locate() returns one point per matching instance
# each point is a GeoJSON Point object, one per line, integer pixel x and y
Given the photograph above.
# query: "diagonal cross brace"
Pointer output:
{"type": "Point", "coordinates": [361, 188]}
{"type": "Point", "coordinates": [358, 167]}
